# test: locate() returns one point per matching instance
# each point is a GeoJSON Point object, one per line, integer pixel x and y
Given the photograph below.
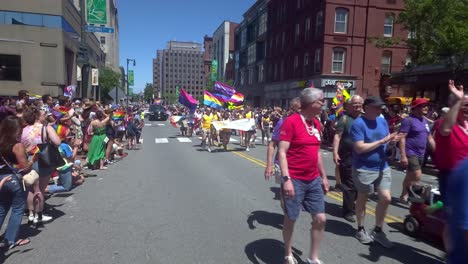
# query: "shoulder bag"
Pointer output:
{"type": "Point", "coordinates": [49, 155]}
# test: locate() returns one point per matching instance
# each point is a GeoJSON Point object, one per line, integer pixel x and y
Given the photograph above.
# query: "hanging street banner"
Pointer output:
{"type": "Point", "coordinates": [130, 78]}
{"type": "Point", "coordinates": [96, 12]}
{"type": "Point", "coordinates": [94, 77]}
{"type": "Point", "coordinates": [214, 70]}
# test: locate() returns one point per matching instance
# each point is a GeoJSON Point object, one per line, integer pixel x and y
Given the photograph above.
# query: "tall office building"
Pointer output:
{"type": "Point", "coordinates": [223, 49]}
{"type": "Point", "coordinates": [179, 65]}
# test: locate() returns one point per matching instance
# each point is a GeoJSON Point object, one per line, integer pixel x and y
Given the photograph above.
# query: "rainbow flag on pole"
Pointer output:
{"type": "Point", "coordinates": [211, 100]}
{"type": "Point", "coordinates": [340, 98]}
{"type": "Point", "coordinates": [118, 115]}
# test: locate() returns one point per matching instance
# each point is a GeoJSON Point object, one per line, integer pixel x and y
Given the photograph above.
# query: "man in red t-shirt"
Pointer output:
{"type": "Point", "coordinates": [303, 172]}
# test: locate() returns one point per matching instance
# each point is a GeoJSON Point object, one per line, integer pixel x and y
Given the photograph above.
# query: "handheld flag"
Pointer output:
{"type": "Point", "coordinates": [118, 115]}
{"type": "Point", "coordinates": [224, 89]}
{"type": "Point", "coordinates": [61, 131]}
{"type": "Point", "coordinates": [211, 101]}
{"type": "Point", "coordinates": [187, 100]}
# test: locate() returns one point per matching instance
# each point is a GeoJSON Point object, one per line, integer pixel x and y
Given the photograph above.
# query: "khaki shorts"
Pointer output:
{"type": "Point", "coordinates": [414, 163]}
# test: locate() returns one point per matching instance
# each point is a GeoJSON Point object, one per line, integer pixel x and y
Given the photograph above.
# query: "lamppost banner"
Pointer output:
{"type": "Point", "coordinates": [130, 78]}
{"type": "Point", "coordinates": [96, 12]}
{"type": "Point", "coordinates": [94, 77]}
{"type": "Point", "coordinates": [214, 70]}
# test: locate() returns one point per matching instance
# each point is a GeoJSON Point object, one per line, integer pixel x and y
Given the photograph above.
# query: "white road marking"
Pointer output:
{"type": "Point", "coordinates": [148, 124]}
{"type": "Point", "coordinates": [161, 124]}
{"type": "Point", "coordinates": [233, 140]}
{"type": "Point", "coordinates": [161, 140]}
{"type": "Point", "coordinates": [184, 140]}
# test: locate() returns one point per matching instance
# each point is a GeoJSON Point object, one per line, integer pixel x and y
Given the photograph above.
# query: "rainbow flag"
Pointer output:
{"type": "Point", "coordinates": [211, 100]}
{"type": "Point", "coordinates": [232, 106]}
{"type": "Point", "coordinates": [340, 98]}
{"type": "Point", "coordinates": [60, 111]}
{"type": "Point", "coordinates": [237, 98]}
{"type": "Point", "coordinates": [118, 115]}
{"type": "Point", "coordinates": [61, 131]}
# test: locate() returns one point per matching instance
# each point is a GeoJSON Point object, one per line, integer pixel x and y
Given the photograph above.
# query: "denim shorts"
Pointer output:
{"type": "Point", "coordinates": [367, 181]}
{"type": "Point", "coordinates": [308, 195]}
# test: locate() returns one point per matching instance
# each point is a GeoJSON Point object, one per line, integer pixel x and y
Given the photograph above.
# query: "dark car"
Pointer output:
{"type": "Point", "coordinates": [157, 113]}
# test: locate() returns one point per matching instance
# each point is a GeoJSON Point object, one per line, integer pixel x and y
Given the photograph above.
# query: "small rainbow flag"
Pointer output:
{"type": "Point", "coordinates": [60, 111]}
{"type": "Point", "coordinates": [118, 115]}
{"type": "Point", "coordinates": [61, 131]}
{"type": "Point", "coordinates": [237, 98]}
{"type": "Point", "coordinates": [34, 150]}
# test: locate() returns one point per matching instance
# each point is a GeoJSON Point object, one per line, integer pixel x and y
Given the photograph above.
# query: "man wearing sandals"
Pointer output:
{"type": "Point", "coordinates": [304, 177]}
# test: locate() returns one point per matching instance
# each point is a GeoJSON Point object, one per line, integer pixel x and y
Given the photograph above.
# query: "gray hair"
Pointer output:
{"type": "Point", "coordinates": [355, 98]}
{"type": "Point", "coordinates": [295, 102]}
{"type": "Point", "coordinates": [310, 95]}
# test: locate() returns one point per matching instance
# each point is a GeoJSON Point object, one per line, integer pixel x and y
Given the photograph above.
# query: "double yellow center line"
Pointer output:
{"type": "Point", "coordinates": [334, 195]}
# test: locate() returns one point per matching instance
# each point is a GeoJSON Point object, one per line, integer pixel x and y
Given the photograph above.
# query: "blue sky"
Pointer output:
{"type": "Point", "coordinates": [146, 26]}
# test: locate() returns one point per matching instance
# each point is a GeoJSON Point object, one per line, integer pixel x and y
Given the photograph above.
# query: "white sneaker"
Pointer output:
{"type": "Point", "coordinates": [209, 150]}
{"type": "Point", "coordinates": [30, 218]}
{"type": "Point", "coordinates": [247, 149]}
{"type": "Point", "coordinates": [45, 219]}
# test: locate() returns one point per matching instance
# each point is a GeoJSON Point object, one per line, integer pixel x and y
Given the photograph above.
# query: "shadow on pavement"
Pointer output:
{"type": "Point", "coordinates": [339, 228]}
{"type": "Point", "coordinates": [268, 251]}
{"type": "Point", "coordinates": [401, 253]}
{"type": "Point", "coordinates": [424, 238]}
{"type": "Point", "coordinates": [276, 191]}
{"type": "Point", "coordinates": [265, 218]}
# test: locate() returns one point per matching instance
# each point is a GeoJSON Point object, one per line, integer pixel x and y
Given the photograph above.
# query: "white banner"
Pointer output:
{"type": "Point", "coordinates": [94, 77]}
{"type": "Point", "coordinates": [241, 124]}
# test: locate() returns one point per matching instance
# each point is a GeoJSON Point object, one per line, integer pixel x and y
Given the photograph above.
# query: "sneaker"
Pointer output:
{"type": "Point", "coordinates": [382, 239]}
{"type": "Point", "coordinates": [363, 237]}
{"type": "Point", "coordinates": [45, 219]}
{"type": "Point", "coordinates": [290, 260]}
{"type": "Point", "coordinates": [30, 219]}
{"type": "Point", "coordinates": [209, 150]}
{"type": "Point", "coordinates": [350, 218]}
{"type": "Point", "coordinates": [309, 261]}
{"type": "Point", "coordinates": [247, 149]}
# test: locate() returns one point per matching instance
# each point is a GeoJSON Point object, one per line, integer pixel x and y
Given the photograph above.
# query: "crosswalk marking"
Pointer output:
{"type": "Point", "coordinates": [230, 140]}
{"type": "Point", "coordinates": [148, 124]}
{"type": "Point", "coordinates": [161, 140]}
{"type": "Point", "coordinates": [161, 124]}
{"type": "Point", "coordinates": [184, 140]}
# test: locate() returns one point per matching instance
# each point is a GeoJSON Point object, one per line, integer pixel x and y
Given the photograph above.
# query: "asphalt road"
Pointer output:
{"type": "Point", "coordinates": [171, 202]}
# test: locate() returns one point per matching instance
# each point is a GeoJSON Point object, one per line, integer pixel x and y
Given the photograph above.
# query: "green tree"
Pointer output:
{"type": "Point", "coordinates": [439, 31]}
{"type": "Point", "coordinates": [148, 92]}
{"type": "Point", "coordinates": [108, 79]}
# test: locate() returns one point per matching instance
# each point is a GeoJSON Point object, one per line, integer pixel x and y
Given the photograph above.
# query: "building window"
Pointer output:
{"type": "Point", "coordinates": [102, 40]}
{"type": "Point", "coordinates": [386, 65]}
{"type": "Point", "coordinates": [307, 28]}
{"type": "Point", "coordinates": [317, 60]}
{"type": "Point", "coordinates": [296, 62]}
{"type": "Point", "coordinates": [251, 75]}
{"type": "Point", "coordinates": [261, 70]}
{"type": "Point", "coordinates": [318, 24]}
{"type": "Point", "coordinates": [411, 34]}
{"type": "Point", "coordinates": [341, 20]}
{"type": "Point", "coordinates": [10, 67]}
{"type": "Point", "coordinates": [275, 73]}
{"type": "Point", "coordinates": [251, 55]}
{"type": "Point", "coordinates": [299, 4]}
{"type": "Point", "coordinates": [338, 60]}
{"type": "Point", "coordinates": [388, 25]}
{"type": "Point", "coordinates": [306, 59]}
{"type": "Point", "coordinates": [242, 77]}
{"type": "Point", "coordinates": [283, 39]}
{"type": "Point", "coordinates": [263, 24]}
{"type": "Point", "coordinates": [297, 31]}
{"type": "Point", "coordinates": [243, 37]}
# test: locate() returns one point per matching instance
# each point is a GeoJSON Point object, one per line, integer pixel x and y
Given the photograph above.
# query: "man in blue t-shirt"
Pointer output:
{"type": "Point", "coordinates": [370, 135]}
{"type": "Point", "coordinates": [457, 201]}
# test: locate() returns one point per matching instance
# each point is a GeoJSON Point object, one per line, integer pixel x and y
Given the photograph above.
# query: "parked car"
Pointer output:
{"type": "Point", "coordinates": [157, 113]}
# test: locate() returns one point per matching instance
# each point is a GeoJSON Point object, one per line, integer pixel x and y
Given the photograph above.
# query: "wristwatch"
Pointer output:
{"type": "Point", "coordinates": [285, 178]}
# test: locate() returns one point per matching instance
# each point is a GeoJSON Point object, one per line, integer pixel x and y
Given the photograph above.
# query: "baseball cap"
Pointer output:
{"type": "Point", "coordinates": [445, 109]}
{"type": "Point", "coordinates": [418, 102]}
{"type": "Point", "coordinates": [374, 101]}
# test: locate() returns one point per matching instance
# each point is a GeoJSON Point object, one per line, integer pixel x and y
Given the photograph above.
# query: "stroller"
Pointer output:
{"type": "Point", "coordinates": [426, 215]}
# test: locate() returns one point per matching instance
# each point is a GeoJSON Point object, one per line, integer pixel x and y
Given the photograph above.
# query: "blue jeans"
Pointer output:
{"type": "Point", "coordinates": [14, 198]}
{"type": "Point", "coordinates": [64, 183]}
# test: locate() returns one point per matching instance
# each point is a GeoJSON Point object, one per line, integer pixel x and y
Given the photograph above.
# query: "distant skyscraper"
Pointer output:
{"type": "Point", "coordinates": [223, 49]}
{"type": "Point", "coordinates": [181, 65]}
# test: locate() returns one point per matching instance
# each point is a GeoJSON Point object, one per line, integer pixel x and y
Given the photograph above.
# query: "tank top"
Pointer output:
{"type": "Point", "coordinates": [10, 157]}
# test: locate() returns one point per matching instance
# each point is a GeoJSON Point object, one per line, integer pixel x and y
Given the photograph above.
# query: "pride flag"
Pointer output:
{"type": "Point", "coordinates": [61, 131]}
{"type": "Point", "coordinates": [60, 111]}
{"type": "Point", "coordinates": [187, 100]}
{"type": "Point", "coordinates": [211, 100]}
{"type": "Point", "coordinates": [340, 98]}
{"type": "Point", "coordinates": [224, 89]}
{"type": "Point", "coordinates": [235, 98]}
{"type": "Point", "coordinates": [118, 115]}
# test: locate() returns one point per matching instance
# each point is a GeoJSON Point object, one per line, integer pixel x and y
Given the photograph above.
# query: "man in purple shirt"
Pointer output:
{"type": "Point", "coordinates": [415, 134]}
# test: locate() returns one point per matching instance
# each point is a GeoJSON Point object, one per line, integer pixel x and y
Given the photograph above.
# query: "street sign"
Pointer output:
{"type": "Point", "coordinates": [89, 28]}
{"type": "Point", "coordinates": [346, 83]}
{"type": "Point", "coordinates": [96, 11]}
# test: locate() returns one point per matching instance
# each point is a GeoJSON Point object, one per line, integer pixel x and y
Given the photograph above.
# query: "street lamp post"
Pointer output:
{"type": "Point", "coordinates": [128, 88]}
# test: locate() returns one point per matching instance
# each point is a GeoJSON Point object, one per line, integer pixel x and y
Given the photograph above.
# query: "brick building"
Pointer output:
{"type": "Point", "coordinates": [325, 41]}
{"type": "Point", "coordinates": [208, 56]}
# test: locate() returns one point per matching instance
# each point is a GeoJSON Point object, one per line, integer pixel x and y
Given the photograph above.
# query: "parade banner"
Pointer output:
{"type": "Point", "coordinates": [131, 78]}
{"type": "Point", "coordinates": [214, 70]}
{"type": "Point", "coordinates": [96, 12]}
{"type": "Point", "coordinates": [94, 77]}
{"type": "Point", "coordinates": [241, 124]}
